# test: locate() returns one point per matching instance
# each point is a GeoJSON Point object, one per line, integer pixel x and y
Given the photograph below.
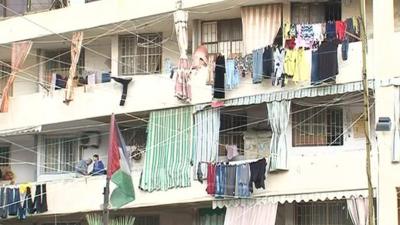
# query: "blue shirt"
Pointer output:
{"type": "Point", "coordinates": [98, 168]}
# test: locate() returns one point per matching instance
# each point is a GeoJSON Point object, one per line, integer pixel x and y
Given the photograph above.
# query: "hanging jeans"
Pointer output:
{"type": "Point", "coordinates": [13, 201]}
{"type": "Point", "coordinates": [220, 180]}
{"type": "Point", "coordinates": [243, 180]}
{"type": "Point", "coordinates": [230, 71]}
{"type": "Point", "coordinates": [230, 180]}
{"type": "Point", "coordinates": [40, 200]}
{"type": "Point", "coordinates": [345, 48]}
{"type": "Point", "coordinates": [3, 209]}
{"type": "Point", "coordinates": [314, 68]}
{"type": "Point", "coordinates": [257, 65]}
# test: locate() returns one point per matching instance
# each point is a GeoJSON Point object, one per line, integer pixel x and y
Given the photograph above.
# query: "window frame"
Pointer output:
{"type": "Point", "coordinates": [330, 127]}
{"type": "Point", "coordinates": [5, 161]}
{"type": "Point", "coordinates": [62, 167]}
{"type": "Point", "coordinates": [136, 57]}
{"type": "Point", "coordinates": [328, 6]}
{"type": "Point", "coordinates": [313, 213]}
{"type": "Point", "coordinates": [228, 137]}
{"type": "Point", "coordinates": [231, 46]}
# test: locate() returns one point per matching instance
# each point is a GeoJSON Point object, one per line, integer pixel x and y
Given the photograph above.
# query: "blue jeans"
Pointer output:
{"type": "Point", "coordinates": [230, 73]}
{"type": "Point", "coordinates": [315, 68]}
{"type": "Point", "coordinates": [257, 65]}
{"type": "Point", "coordinates": [220, 180]}
{"type": "Point", "coordinates": [242, 181]}
{"type": "Point", "coordinates": [345, 48]}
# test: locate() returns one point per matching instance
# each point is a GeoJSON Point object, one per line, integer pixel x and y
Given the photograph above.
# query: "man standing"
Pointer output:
{"type": "Point", "coordinates": [98, 166]}
{"type": "Point", "coordinates": [82, 167]}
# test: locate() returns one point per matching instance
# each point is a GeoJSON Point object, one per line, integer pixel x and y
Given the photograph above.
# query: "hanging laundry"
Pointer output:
{"type": "Point", "coordinates": [211, 179]}
{"type": "Point", "coordinates": [345, 48]}
{"type": "Point", "coordinates": [40, 200]}
{"type": "Point", "coordinates": [183, 88]}
{"type": "Point", "coordinates": [268, 62]}
{"type": "Point", "coordinates": [232, 75]}
{"type": "Point", "coordinates": [331, 30]}
{"type": "Point", "coordinates": [124, 83]}
{"type": "Point", "coordinates": [290, 62]}
{"type": "Point", "coordinates": [29, 201]}
{"type": "Point", "coordinates": [220, 179]}
{"type": "Point", "coordinates": [3, 203]}
{"type": "Point", "coordinates": [240, 66]}
{"type": "Point", "coordinates": [257, 65]}
{"type": "Point", "coordinates": [292, 31]}
{"type": "Point", "coordinates": [230, 180]}
{"type": "Point", "coordinates": [231, 151]}
{"type": "Point", "coordinates": [290, 43]}
{"type": "Point", "coordinates": [199, 173]}
{"type": "Point", "coordinates": [303, 65]}
{"type": "Point", "coordinates": [319, 32]}
{"type": "Point", "coordinates": [314, 67]}
{"type": "Point", "coordinates": [211, 70]}
{"type": "Point", "coordinates": [13, 201]}
{"type": "Point", "coordinates": [242, 180]}
{"type": "Point", "coordinates": [219, 80]}
{"type": "Point", "coordinates": [340, 30]}
{"type": "Point", "coordinates": [279, 59]}
{"type": "Point", "coordinates": [328, 61]}
{"type": "Point", "coordinates": [305, 35]}
{"type": "Point", "coordinates": [257, 174]}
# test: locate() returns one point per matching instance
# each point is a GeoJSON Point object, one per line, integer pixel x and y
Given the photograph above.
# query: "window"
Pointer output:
{"type": "Point", "coordinates": [62, 223]}
{"type": "Point", "coordinates": [147, 220]}
{"type": "Point", "coordinates": [223, 36]}
{"type": "Point", "coordinates": [5, 71]}
{"type": "Point", "coordinates": [4, 156]}
{"type": "Point", "coordinates": [140, 54]}
{"type": "Point", "coordinates": [134, 136]}
{"type": "Point", "coordinates": [318, 126]}
{"type": "Point", "coordinates": [316, 12]}
{"type": "Point", "coordinates": [231, 131]}
{"type": "Point", "coordinates": [322, 213]}
{"type": "Point", "coordinates": [60, 154]}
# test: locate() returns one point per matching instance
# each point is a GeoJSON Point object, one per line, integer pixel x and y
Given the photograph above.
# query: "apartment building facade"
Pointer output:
{"type": "Point", "coordinates": [307, 182]}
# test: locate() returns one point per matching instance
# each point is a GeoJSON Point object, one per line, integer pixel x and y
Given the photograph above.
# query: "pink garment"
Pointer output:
{"type": "Point", "coordinates": [183, 89]}
{"type": "Point", "coordinates": [231, 151]}
{"type": "Point", "coordinates": [216, 104]}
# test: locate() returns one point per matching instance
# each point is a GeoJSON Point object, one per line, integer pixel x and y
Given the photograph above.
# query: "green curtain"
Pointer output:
{"type": "Point", "coordinates": [168, 154]}
{"type": "Point", "coordinates": [212, 216]}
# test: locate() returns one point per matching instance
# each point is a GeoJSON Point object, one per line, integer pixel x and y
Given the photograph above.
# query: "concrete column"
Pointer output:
{"type": "Point", "coordinates": [114, 56]}
{"type": "Point", "coordinates": [384, 68]}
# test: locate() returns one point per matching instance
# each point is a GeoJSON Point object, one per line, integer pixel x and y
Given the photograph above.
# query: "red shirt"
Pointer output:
{"type": "Point", "coordinates": [341, 30]}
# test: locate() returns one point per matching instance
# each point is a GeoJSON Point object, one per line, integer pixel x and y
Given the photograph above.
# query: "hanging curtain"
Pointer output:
{"type": "Point", "coordinates": [182, 83]}
{"type": "Point", "coordinates": [206, 138]}
{"type": "Point", "coordinates": [168, 152]}
{"type": "Point", "coordinates": [76, 46]}
{"type": "Point", "coordinates": [19, 52]}
{"type": "Point", "coordinates": [261, 24]}
{"type": "Point", "coordinates": [212, 216]}
{"type": "Point", "coordinates": [358, 210]}
{"type": "Point", "coordinates": [278, 116]}
{"type": "Point", "coordinates": [396, 128]}
{"type": "Point", "coordinates": [261, 214]}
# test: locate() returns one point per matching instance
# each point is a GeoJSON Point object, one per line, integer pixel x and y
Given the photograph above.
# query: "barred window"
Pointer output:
{"type": "Point", "coordinates": [147, 220]}
{"type": "Point", "coordinates": [316, 12]}
{"type": "Point", "coordinates": [317, 126]}
{"type": "Point", "coordinates": [4, 155]}
{"type": "Point", "coordinates": [231, 131]}
{"type": "Point", "coordinates": [60, 154]}
{"type": "Point", "coordinates": [223, 36]}
{"type": "Point", "coordinates": [5, 71]}
{"type": "Point", "coordinates": [140, 54]}
{"type": "Point", "coordinates": [322, 213]}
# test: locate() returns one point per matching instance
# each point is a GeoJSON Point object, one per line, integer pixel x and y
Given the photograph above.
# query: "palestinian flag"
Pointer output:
{"type": "Point", "coordinates": [119, 168]}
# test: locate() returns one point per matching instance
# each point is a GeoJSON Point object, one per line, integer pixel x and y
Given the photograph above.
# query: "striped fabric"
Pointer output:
{"type": "Point", "coordinates": [206, 138]}
{"type": "Point", "coordinates": [168, 152]}
{"type": "Point", "coordinates": [261, 23]}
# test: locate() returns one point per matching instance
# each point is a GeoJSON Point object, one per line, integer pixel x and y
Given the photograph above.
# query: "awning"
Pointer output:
{"type": "Point", "coordinates": [20, 131]}
{"type": "Point", "coordinates": [315, 196]}
{"type": "Point", "coordinates": [307, 92]}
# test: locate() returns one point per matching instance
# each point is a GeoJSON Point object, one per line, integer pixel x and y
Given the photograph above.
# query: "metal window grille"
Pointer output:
{"type": "Point", "coordinates": [5, 71]}
{"type": "Point", "coordinates": [231, 131]}
{"type": "Point", "coordinates": [322, 213]}
{"type": "Point", "coordinates": [140, 54]}
{"type": "Point", "coordinates": [224, 36]}
{"type": "Point", "coordinates": [315, 12]}
{"type": "Point", "coordinates": [4, 156]}
{"type": "Point", "coordinates": [62, 223]}
{"type": "Point", "coordinates": [317, 126]}
{"type": "Point", "coordinates": [60, 155]}
{"type": "Point", "coordinates": [147, 220]}
{"type": "Point", "coordinates": [134, 137]}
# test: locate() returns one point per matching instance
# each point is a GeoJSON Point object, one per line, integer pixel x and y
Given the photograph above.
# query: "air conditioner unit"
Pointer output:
{"type": "Point", "coordinates": [90, 139]}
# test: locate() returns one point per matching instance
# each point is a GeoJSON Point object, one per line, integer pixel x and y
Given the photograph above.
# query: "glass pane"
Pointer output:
{"type": "Point", "coordinates": [51, 155]}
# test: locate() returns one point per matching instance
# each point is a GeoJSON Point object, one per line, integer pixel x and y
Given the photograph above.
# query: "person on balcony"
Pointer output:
{"type": "Point", "coordinates": [98, 166]}
{"type": "Point", "coordinates": [82, 167]}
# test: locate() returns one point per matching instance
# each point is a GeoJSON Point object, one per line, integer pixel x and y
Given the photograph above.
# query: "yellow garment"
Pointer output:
{"type": "Point", "coordinates": [355, 24]}
{"type": "Point", "coordinates": [303, 66]}
{"type": "Point", "coordinates": [289, 65]}
{"type": "Point", "coordinates": [23, 187]}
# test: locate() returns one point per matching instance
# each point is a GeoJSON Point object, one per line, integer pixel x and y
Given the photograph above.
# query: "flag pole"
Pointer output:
{"type": "Point", "coordinates": [106, 194]}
